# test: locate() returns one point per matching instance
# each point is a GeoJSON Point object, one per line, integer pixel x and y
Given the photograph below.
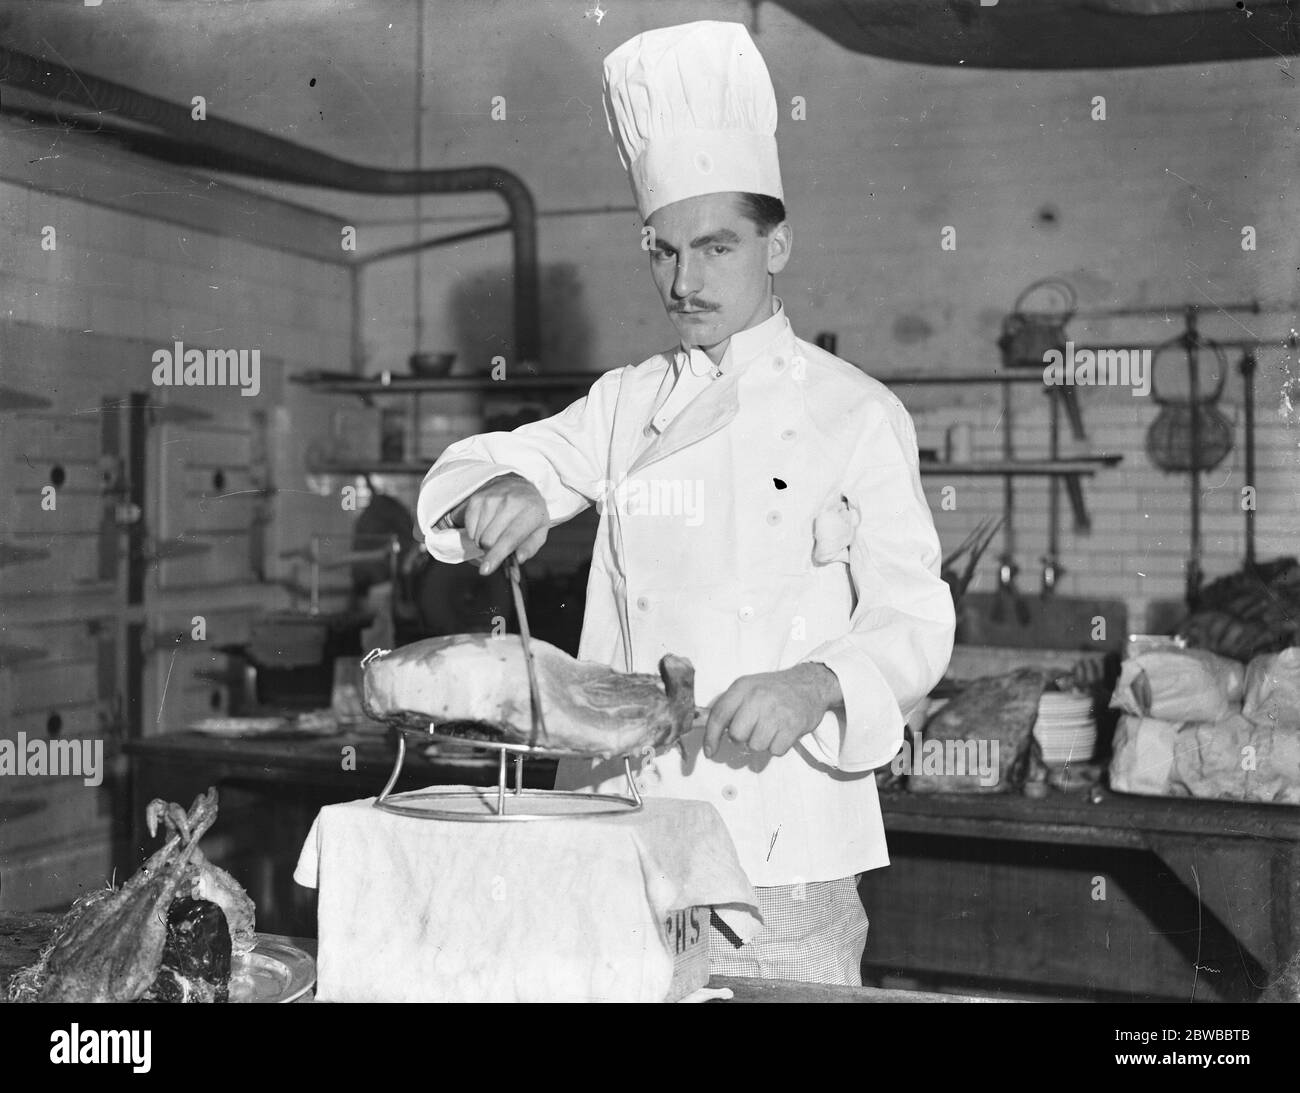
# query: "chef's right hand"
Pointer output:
{"type": "Point", "coordinates": [506, 516]}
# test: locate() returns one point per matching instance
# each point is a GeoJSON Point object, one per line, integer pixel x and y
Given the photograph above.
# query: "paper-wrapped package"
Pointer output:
{"type": "Point", "coordinates": [1273, 689]}
{"type": "Point", "coordinates": [1238, 760]}
{"type": "Point", "coordinates": [1179, 685]}
{"type": "Point", "coordinates": [1143, 755]}
{"type": "Point", "coordinates": [1232, 759]}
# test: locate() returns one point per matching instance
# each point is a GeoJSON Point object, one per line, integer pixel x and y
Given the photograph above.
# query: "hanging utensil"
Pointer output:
{"type": "Point", "coordinates": [973, 547]}
{"type": "Point", "coordinates": [1191, 435]}
{"type": "Point", "coordinates": [1028, 336]}
{"type": "Point", "coordinates": [1007, 592]}
{"type": "Point", "coordinates": [1007, 568]}
{"type": "Point", "coordinates": [1052, 559]}
{"type": "Point", "coordinates": [1247, 368]}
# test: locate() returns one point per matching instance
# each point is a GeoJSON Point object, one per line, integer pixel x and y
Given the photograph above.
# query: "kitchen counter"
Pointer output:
{"type": "Point", "coordinates": [22, 936]}
{"type": "Point", "coordinates": [1111, 819]}
{"type": "Point", "coordinates": [1087, 894]}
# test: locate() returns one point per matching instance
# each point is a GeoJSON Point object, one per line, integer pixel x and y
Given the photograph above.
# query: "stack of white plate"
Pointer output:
{"type": "Point", "coordinates": [1066, 730]}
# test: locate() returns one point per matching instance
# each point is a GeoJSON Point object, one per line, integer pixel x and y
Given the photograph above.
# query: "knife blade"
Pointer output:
{"type": "Point", "coordinates": [534, 692]}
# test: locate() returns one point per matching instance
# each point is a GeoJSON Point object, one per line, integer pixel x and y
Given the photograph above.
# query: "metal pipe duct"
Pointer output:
{"type": "Point", "coordinates": [228, 146]}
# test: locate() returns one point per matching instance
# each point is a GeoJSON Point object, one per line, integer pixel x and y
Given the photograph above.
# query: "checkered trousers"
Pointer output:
{"type": "Point", "coordinates": [815, 933]}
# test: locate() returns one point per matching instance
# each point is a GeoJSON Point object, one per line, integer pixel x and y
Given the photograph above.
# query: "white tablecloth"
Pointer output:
{"type": "Point", "coordinates": [558, 910]}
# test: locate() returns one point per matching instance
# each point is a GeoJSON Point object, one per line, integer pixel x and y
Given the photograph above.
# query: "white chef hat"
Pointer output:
{"type": "Point", "coordinates": [693, 112]}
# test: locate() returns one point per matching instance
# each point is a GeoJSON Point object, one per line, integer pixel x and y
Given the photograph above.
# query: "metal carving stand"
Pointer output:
{"type": "Point", "coordinates": [502, 802]}
{"type": "Point", "coordinates": [455, 803]}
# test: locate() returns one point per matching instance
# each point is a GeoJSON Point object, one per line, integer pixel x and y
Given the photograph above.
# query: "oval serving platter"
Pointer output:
{"type": "Point", "coordinates": [274, 971]}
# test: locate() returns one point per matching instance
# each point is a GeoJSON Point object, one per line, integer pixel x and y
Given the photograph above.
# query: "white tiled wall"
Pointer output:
{"type": "Point", "coordinates": [119, 271]}
{"type": "Point", "coordinates": [1148, 209]}
{"type": "Point", "coordinates": [1141, 516]}
{"type": "Point", "coordinates": [229, 276]}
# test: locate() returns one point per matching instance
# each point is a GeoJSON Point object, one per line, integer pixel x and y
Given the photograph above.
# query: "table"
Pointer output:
{"type": "Point", "coordinates": [1238, 865]}
{"type": "Point", "coordinates": [22, 935]}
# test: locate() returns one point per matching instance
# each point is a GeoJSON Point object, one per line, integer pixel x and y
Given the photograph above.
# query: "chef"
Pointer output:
{"type": "Point", "coordinates": [761, 513]}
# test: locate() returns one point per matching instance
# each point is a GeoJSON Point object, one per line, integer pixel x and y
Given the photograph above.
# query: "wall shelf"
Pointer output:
{"type": "Point", "coordinates": [360, 467]}
{"type": "Point", "coordinates": [1085, 466]}
{"type": "Point", "coordinates": [334, 384]}
{"type": "Point", "coordinates": [1080, 466]}
{"type": "Point", "coordinates": [1071, 470]}
{"type": "Point", "coordinates": [424, 385]}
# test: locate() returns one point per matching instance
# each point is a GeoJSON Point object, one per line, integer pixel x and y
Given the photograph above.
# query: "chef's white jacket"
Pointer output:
{"type": "Point", "coordinates": [778, 517]}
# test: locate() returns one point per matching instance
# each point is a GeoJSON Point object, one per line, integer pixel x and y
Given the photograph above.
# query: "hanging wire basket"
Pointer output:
{"type": "Point", "coordinates": [1169, 441]}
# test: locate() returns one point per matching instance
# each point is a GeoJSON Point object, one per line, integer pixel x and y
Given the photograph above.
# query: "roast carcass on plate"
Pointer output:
{"type": "Point", "coordinates": [167, 935]}
{"type": "Point", "coordinates": [476, 685]}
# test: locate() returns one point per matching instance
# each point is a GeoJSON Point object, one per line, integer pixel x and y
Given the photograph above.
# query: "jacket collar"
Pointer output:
{"type": "Point", "coordinates": [742, 348]}
{"type": "Point", "coordinates": [718, 403]}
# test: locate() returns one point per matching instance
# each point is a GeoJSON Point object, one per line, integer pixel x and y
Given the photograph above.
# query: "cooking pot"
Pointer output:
{"type": "Point", "coordinates": [291, 655]}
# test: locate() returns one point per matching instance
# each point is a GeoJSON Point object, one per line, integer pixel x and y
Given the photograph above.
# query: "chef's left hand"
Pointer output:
{"type": "Point", "coordinates": [770, 711]}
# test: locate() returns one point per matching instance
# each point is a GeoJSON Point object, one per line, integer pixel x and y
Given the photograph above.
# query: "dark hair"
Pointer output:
{"type": "Point", "coordinates": [767, 212]}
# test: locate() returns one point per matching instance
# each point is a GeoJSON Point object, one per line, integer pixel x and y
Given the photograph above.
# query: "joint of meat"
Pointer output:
{"type": "Point", "coordinates": [479, 685]}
